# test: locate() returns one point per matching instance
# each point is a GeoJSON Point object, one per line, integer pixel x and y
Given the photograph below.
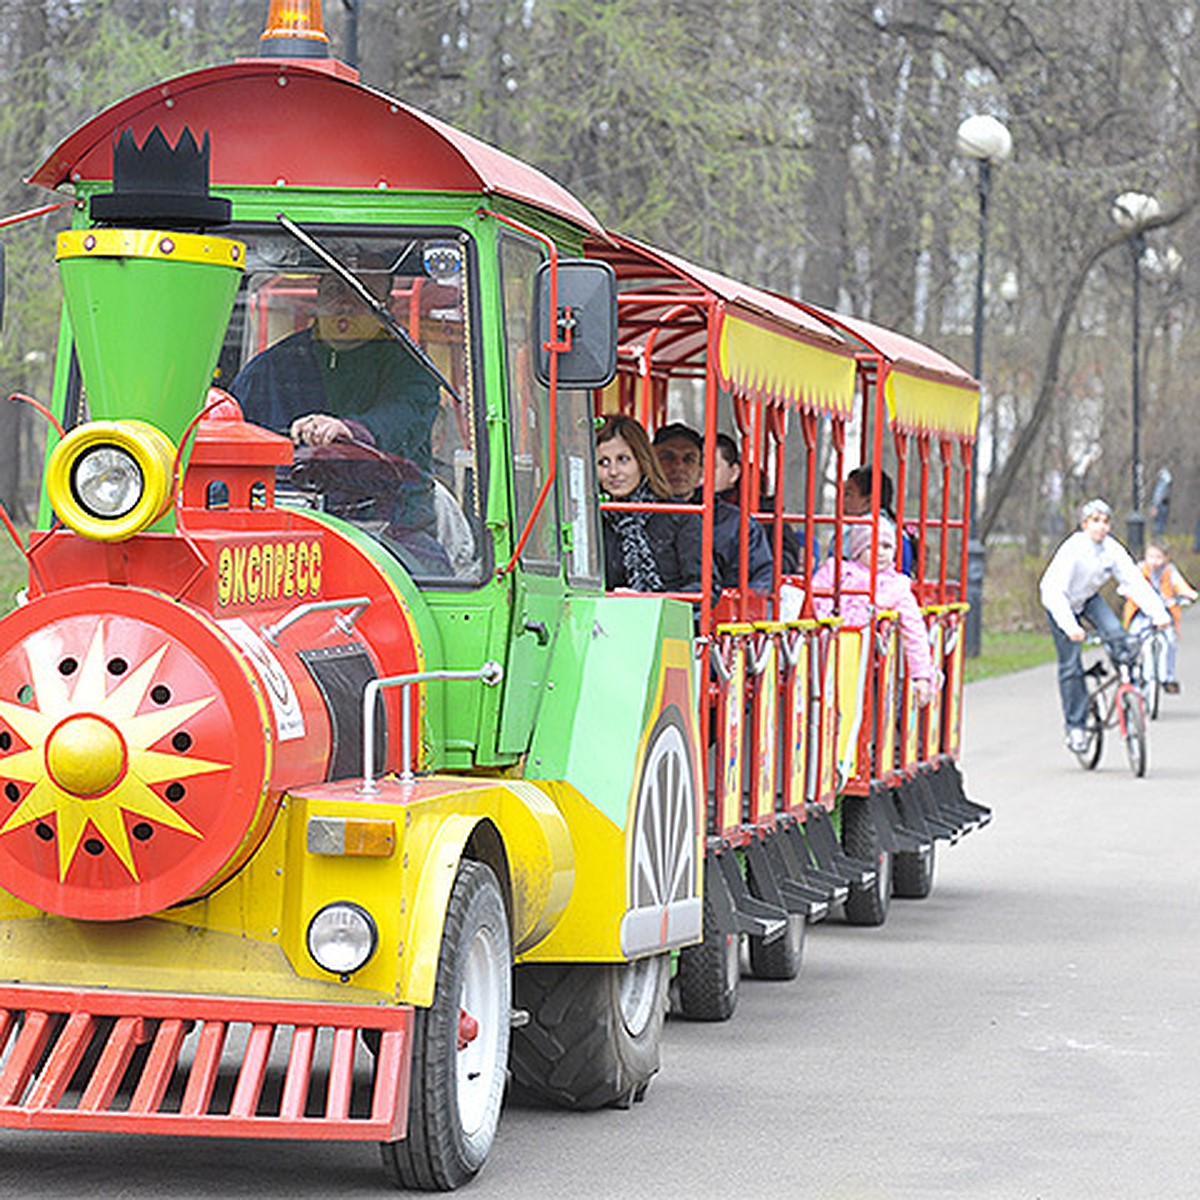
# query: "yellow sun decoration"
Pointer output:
{"type": "Point", "coordinates": [89, 756]}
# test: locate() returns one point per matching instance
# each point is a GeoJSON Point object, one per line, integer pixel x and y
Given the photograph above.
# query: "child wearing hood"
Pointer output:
{"type": "Point", "coordinates": [892, 591]}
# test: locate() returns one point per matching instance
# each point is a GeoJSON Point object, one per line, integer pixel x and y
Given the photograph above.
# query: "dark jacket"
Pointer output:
{"type": "Point", "coordinates": [675, 543]}
{"type": "Point", "coordinates": [726, 559]}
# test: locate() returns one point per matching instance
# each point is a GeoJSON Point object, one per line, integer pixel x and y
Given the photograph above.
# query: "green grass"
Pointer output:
{"type": "Point", "coordinates": [1005, 652]}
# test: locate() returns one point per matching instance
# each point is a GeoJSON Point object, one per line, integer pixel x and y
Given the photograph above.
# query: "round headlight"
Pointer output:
{"type": "Point", "coordinates": [107, 482]}
{"type": "Point", "coordinates": [342, 937]}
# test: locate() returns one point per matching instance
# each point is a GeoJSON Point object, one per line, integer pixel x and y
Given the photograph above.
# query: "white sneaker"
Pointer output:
{"type": "Point", "coordinates": [1077, 741]}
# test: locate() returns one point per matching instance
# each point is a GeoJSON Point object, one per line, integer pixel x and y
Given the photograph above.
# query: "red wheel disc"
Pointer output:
{"type": "Point", "coordinates": [133, 754]}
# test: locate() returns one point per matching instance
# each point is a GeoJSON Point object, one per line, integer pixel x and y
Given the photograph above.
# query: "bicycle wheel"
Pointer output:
{"type": "Point", "coordinates": [1093, 727]}
{"type": "Point", "coordinates": [1153, 665]}
{"type": "Point", "coordinates": [1133, 721]}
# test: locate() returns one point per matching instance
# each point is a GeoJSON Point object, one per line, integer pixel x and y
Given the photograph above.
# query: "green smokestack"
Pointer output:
{"type": "Point", "coordinates": [148, 309]}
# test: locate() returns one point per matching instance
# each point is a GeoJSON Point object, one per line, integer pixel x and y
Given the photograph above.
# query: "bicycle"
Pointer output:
{"type": "Point", "coordinates": [1151, 664]}
{"type": "Point", "coordinates": [1152, 658]}
{"type": "Point", "coordinates": [1115, 701]}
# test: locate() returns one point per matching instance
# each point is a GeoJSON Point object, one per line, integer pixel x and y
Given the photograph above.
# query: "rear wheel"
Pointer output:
{"type": "Point", "coordinates": [781, 958]}
{"type": "Point", "coordinates": [594, 1033]}
{"type": "Point", "coordinates": [867, 904]}
{"type": "Point", "coordinates": [913, 875]}
{"type": "Point", "coordinates": [460, 1044]}
{"type": "Point", "coordinates": [1133, 710]}
{"type": "Point", "coordinates": [706, 982]}
{"type": "Point", "coordinates": [1093, 730]}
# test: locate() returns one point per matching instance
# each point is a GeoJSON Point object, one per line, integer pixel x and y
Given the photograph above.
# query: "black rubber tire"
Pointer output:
{"type": "Point", "coordinates": [912, 873]}
{"type": "Point", "coordinates": [1136, 749]}
{"type": "Point", "coordinates": [1152, 686]}
{"type": "Point", "coordinates": [1089, 758]}
{"type": "Point", "coordinates": [708, 973]}
{"type": "Point", "coordinates": [781, 958]}
{"type": "Point", "coordinates": [866, 905]}
{"type": "Point", "coordinates": [455, 1094]}
{"type": "Point", "coordinates": [583, 1047]}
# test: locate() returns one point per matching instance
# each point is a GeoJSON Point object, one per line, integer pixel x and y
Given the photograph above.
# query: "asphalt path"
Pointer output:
{"type": "Point", "coordinates": [1028, 1031]}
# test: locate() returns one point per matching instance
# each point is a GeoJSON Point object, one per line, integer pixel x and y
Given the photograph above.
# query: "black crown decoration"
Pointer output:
{"type": "Point", "coordinates": [157, 185]}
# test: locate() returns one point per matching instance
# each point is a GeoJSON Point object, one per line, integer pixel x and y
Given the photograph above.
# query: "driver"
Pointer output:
{"type": "Point", "coordinates": [347, 392]}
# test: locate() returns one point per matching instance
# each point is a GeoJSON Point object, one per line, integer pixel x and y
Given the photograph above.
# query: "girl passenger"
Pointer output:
{"type": "Point", "coordinates": [645, 551]}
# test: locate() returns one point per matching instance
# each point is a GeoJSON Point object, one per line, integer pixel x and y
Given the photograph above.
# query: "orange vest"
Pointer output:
{"type": "Point", "coordinates": [1167, 588]}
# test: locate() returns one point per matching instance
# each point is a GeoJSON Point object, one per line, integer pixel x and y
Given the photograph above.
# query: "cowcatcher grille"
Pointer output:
{"type": "Point", "coordinates": [203, 1065]}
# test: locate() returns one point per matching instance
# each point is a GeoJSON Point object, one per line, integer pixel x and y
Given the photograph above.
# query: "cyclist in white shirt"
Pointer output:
{"type": "Point", "coordinates": [1070, 590]}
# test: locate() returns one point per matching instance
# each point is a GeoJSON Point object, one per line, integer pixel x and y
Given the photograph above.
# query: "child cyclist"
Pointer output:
{"type": "Point", "coordinates": [1168, 581]}
{"type": "Point", "coordinates": [1070, 590]}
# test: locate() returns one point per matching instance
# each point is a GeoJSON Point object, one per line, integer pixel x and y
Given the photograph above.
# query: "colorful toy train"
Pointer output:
{"type": "Point", "coordinates": [336, 785]}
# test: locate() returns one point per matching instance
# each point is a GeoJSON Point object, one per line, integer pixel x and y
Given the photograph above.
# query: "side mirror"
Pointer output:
{"type": "Point", "coordinates": [589, 290]}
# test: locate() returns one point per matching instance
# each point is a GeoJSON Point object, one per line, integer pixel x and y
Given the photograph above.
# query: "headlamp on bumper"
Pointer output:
{"type": "Point", "coordinates": [342, 937]}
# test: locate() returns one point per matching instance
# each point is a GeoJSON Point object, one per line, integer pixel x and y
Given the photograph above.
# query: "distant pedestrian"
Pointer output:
{"type": "Point", "coordinates": [1160, 501]}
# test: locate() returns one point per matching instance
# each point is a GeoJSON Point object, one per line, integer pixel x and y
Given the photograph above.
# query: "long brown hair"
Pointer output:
{"type": "Point", "coordinates": [635, 437]}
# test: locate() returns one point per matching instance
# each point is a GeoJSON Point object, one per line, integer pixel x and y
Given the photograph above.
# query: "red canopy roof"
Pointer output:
{"type": "Point", "coordinates": [303, 123]}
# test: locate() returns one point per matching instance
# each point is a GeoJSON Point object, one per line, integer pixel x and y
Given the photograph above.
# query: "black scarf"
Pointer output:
{"type": "Point", "coordinates": [637, 557]}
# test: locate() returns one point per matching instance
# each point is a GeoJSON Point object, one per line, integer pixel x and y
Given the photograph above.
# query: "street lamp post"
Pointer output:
{"type": "Point", "coordinates": [988, 141]}
{"type": "Point", "coordinates": [1131, 211]}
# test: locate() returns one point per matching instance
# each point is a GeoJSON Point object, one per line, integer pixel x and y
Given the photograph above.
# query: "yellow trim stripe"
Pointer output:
{"type": "Point", "coordinates": [758, 362]}
{"type": "Point", "coordinates": [167, 246]}
{"type": "Point", "coordinates": [930, 406]}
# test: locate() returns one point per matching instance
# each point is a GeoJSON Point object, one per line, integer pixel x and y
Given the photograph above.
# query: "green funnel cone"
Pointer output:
{"type": "Point", "coordinates": [148, 310]}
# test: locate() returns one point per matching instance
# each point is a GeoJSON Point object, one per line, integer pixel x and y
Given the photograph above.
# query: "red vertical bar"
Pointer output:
{"type": "Point", "coordinates": [341, 1075]}
{"type": "Point", "coordinates": [205, 1066]}
{"type": "Point", "coordinates": [160, 1066]}
{"type": "Point", "coordinates": [64, 1058]}
{"type": "Point", "coordinates": [392, 1065]}
{"type": "Point", "coordinates": [127, 1034]}
{"type": "Point", "coordinates": [31, 1041]}
{"type": "Point", "coordinates": [299, 1073]}
{"type": "Point", "coordinates": [253, 1072]}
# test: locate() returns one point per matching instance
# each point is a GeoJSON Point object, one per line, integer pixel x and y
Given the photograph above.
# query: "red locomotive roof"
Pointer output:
{"type": "Point", "coordinates": [299, 122]}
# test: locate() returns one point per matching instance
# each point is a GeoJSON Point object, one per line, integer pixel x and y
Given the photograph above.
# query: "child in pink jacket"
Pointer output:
{"type": "Point", "coordinates": [892, 591]}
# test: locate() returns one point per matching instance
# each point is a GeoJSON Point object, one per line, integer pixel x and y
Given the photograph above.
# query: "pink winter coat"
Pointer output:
{"type": "Point", "coordinates": [892, 591]}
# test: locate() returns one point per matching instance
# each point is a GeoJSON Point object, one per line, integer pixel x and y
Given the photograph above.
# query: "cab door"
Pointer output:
{"type": "Point", "coordinates": [537, 587]}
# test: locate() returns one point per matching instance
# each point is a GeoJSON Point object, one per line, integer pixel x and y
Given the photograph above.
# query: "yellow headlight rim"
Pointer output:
{"type": "Point", "coordinates": [149, 448]}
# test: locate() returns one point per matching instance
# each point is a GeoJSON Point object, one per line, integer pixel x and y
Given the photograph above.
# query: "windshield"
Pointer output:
{"type": "Point", "coordinates": [384, 432]}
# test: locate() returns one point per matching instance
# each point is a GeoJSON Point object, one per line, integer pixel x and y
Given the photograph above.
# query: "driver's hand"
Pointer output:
{"type": "Point", "coordinates": [319, 429]}
{"type": "Point", "coordinates": [1163, 624]}
{"type": "Point", "coordinates": [1078, 636]}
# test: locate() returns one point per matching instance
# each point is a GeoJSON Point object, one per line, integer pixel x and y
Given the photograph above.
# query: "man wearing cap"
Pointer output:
{"type": "Point", "coordinates": [680, 452]}
{"type": "Point", "coordinates": [1070, 590]}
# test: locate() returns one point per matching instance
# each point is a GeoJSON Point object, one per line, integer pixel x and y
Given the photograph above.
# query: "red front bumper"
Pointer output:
{"type": "Point", "coordinates": [201, 1065]}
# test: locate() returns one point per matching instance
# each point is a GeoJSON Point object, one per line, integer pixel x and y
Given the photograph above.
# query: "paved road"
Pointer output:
{"type": "Point", "coordinates": [1026, 1032]}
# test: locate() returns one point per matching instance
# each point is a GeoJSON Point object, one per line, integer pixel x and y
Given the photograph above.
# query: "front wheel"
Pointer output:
{"type": "Point", "coordinates": [1152, 671]}
{"type": "Point", "coordinates": [460, 1044]}
{"type": "Point", "coordinates": [594, 1033]}
{"type": "Point", "coordinates": [1134, 720]}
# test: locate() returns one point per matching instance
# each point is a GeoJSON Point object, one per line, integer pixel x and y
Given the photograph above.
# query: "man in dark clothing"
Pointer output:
{"type": "Point", "coordinates": [360, 409]}
{"type": "Point", "coordinates": [727, 475]}
{"type": "Point", "coordinates": [680, 452]}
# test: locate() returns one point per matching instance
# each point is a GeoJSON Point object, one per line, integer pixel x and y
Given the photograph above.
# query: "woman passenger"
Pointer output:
{"type": "Point", "coordinates": [645, 551]}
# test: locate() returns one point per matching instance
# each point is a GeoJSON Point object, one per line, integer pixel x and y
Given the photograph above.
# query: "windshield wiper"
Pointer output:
{"type": "Point", "coordinates": [382, 313]}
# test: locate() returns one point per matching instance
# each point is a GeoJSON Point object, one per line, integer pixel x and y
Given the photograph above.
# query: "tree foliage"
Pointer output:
{"type": "Point", "coordinates": [804, 145]}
